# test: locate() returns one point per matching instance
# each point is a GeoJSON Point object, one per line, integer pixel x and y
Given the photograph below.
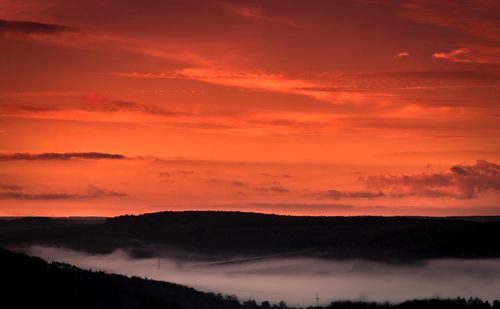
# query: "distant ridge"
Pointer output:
{"type": "Point", "coordinates": [215, 234]}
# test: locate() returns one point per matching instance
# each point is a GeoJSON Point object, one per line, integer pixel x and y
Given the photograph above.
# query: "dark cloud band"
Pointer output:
{"type": "Point", "coordinates": [30, 27]}
{"type": "Point", "coordinates": [60, 156]}
{"type": "Point", "coordinates": [92, 192]}
{"type": "Point", "coordinates": [459, 182]}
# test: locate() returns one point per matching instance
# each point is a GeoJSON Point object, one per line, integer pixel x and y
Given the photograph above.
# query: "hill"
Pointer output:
{"type": "Point", "coordinates": [30, 282]}
{"type": "Point", "coordinates": [221, 234]}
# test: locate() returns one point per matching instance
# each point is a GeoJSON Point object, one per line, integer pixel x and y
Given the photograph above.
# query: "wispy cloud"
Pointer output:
{"type": "Point", "coordinates": [84, 103]}
{"type": "Point", "coordinates": [104, 104]}
{"type": "Point", "coordinates": [336, 195]}
{"type": "Point", "coordinates": [402, 54]}
{"type": "Point", "coordinates": [369, 88]}
{"type": "Point", "coordinates": [273, 189]}
{"type": "Point", "coordinates": [262, 81]}
{"type": "Point", "coordinates": [476, 18]}
{"type": "Point", "coordinates": [10, 187]}
{"type": "Point", "coordinates": [92, 192]}
{"type": "Point", "coordinates": [20, 27]}
{"type": "Point", "coordinates": [258, 14]}
{"type": "Point", "coordinates": [60, 156]}
{"type": "Point", "coordinates": [456, 55]}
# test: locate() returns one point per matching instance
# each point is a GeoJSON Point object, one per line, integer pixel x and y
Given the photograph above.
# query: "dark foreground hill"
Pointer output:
{"type": "Point", "coordinates": [30, 282]}
{"type": "Point", "coordinates": [217, 234]}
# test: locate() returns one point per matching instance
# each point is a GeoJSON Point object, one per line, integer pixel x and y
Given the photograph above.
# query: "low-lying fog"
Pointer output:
{"type": "Point", "coordinates": [297, 280]}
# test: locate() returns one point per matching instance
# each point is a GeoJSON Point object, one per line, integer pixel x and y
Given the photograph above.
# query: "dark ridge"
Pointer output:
{"type": "Point", "coordinates": [228, 234]}
{"type": "Point", "coordinates": [30, 282]}
{"type": "Point", "coordinates": [27, 223]}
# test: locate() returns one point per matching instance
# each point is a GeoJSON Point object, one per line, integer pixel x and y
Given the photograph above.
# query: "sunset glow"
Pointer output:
{"type": "Point", "coordinates": [290, 107]}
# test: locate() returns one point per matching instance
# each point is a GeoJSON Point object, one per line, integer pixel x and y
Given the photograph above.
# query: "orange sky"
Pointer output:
{"type": "Point", "coordinates": [296, 107]}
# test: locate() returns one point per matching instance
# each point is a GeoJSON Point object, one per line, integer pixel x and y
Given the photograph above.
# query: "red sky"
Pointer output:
{"type": "Point", "coordinates": [297, 107]}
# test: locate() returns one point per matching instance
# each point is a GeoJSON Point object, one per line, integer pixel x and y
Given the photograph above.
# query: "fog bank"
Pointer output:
{"type": "Point", "coordinates": [297, 280]}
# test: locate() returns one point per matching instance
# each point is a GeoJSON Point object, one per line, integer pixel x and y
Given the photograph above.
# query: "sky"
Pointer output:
{"type": "Point", "coordinates": [293, 107]}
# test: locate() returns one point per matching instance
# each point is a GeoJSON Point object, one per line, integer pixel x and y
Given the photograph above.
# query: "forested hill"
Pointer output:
{"type": "Point", "coordinates": [30, 282]}
{"type": "Point", "coordinates": [215, 234]}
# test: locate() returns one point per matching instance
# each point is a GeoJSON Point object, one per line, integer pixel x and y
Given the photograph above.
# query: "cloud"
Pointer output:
{"type": "Point", "coordinates": [456, 55]}
{"type": "Point", "coordinates": [274, 175]}
{"type": "Point", "coordinates": [402, 54]}
{"type": "Point", "coordinates": [460, 182]}
{"type": "Point", "coordinates": [89, 103]}
{"type": "Point", "coordinates": [258, 80]}
{"type": "Point", "coordinates": [16, 195]}
{"type": "Point", "coordinates": [92, 192]}
{"type": "Point", "coordinates": [274, 189]}
{"type": "Point", "coordinates": [60, 156]}
{"type": "Point", "coordinates": [257, 14]}
{"type": "Point", "coordinates": [103, 104]}
{"type": "Point", "coordinates": [185, 172]}
{"type": "Point", "coordinates": [336, 195]}
{"type": "Point", "coordinates": [477, 18]}
{"type": "Point", "coordinates": [236, 183]}
{"type": "Point", "coordinates": [473, 23]}
{"type": "Point", "coordinates": [30, 27]}
{"type": "Point", "coordinates": [368, 88]}
{"type": "Point", "coordinates": [10, 187]}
